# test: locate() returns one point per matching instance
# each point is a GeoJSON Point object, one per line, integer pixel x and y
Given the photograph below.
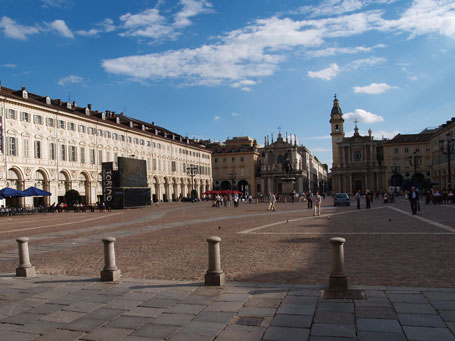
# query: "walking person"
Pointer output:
{"type": "Point", "coordinates": [368, 198]}
{"type": "Point", "coordinates": [414, 198]}
{"type": "Point", "coordinates": [317, 204]}
{"type": "Point", "coordinates": [357, 198]}
{"type": "Point", "coordinates": [310, 200]}
{"type": "Point", "coordinates": [272, 201]}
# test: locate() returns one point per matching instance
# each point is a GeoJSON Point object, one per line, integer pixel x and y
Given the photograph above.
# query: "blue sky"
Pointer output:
{"type": "Point", "coordinates": [216, 69]}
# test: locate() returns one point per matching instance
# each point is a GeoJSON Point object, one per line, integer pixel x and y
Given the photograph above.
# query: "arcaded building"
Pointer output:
{"type": "Point", "coordinates": [57, 146]}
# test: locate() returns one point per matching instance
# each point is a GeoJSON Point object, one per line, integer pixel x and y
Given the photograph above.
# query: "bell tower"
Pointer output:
{"type": "Point", "coordinates": [337, 132]}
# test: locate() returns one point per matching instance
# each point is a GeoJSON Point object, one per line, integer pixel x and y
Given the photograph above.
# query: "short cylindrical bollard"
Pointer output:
{"type": "Point", "coordinates": [110, 271]}
{"type": "Point", "coordinates": [25, 269]}
{"type": "Point", "coordinates": [338, 279]}
{"type": "Point", "coordinates": [214, 275]}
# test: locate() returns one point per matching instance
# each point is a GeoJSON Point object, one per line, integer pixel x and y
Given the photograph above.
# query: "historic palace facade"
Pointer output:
{"type": "Point", "coordinates": [57, 146]}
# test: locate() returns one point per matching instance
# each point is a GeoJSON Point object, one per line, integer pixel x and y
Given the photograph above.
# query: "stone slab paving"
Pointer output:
{"type": "Point", "coordinates": [81, 308]}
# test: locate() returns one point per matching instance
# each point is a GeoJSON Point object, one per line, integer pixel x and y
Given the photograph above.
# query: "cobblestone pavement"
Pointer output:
{"type": "Point", "coordinates": [82, 308]}
{"type": "Point", "coordinates": [385, 245]}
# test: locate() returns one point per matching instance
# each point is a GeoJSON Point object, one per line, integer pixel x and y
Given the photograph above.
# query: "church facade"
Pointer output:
{"type": "Point", "coordinates": [358, 161]}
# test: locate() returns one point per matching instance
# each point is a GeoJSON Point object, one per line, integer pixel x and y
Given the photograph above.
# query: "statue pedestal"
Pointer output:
{"type": "Point", "coordinates": [287, 185]}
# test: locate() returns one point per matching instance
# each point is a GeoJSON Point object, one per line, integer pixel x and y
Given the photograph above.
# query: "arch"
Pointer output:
{"type": "Point", "coordinates": [175, 190]}
{"type": "Point", "coordinates": [15, 179]}
{"type": "Point", "coordinates": [64, 182]}
{"type": "Point", "coordinates": [225, 185]}
{"type": "Point", "coordinates": [396, 180]}
{"type": "Point", "coordinates": [84, 183]}
{"type": "Point", "coordinates": [41, 181]}
{"type": "Point", "coordinates": [244, 187]}
{"type": "Point", "coordinates": [156, 189]}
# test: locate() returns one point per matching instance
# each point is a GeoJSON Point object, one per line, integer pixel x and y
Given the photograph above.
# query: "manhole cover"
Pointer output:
{"type": "Point", "coordinates": [250, 321]}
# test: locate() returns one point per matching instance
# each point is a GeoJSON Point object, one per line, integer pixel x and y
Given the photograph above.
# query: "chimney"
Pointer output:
{"type": "Point", "coordinates": [89, 106]}
{"type": "Point", "coordinates": [74, 104]}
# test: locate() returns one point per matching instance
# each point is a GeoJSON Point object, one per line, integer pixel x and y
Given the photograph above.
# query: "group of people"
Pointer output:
{"type": "Point", "coordinates": [226, 200]}
{"type": "Point", "coordinates": [315, 199]}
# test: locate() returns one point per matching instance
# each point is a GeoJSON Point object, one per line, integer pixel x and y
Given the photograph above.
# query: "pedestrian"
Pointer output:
{"type": "Point", "coordinates": [272, 201]}
{"type": "Point", "coordinates": [368, 198]}
{"type": "Point", "coordinates": [317, 204]}
{"type": "Point", "coordinates": [414, 198]}
{"type": "Point", "coordinates": [250, 199]}
{"type": "Point", "coordinates": [357, 198]}
{"type": "Point", "coordinates": [310, 200]}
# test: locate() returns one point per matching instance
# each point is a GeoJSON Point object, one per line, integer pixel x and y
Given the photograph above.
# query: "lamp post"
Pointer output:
{"type": "Point", "coordinates": [232, 175]}
{"type": "Point", "coordinates": [192, 171]}
{"type": "Point", "coordinates": [415, 162]}
{"type": "Point", "coordinates": [447, 151]}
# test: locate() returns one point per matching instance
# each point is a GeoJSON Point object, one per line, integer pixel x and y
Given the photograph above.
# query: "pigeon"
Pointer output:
{"type": "Point", "coordinates": [219, 227]}
{"type": "Point", "coordinates": [390, 219]}
{"type": "Point", "coordinates": [328, 217]}
{"type": "Point", "coordinates": [287, 220]}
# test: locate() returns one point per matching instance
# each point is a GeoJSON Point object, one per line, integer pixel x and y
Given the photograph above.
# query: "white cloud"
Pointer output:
{"type": "Point", "coordinates": [246, 89]}
{"type": "Point", "coordinates": [216, 118]}
{"type": "Point", "coordinates": [70, 79]}
{"type": "Point", "coordinates": [235, 114]}
{"type": "Point", "coordinates": [11, 29]}
{"type": "Point", "coordinates": [243, 82]}
{"type": "Point", "coordinates": [153, 25]}
{"type": "Point", "coordinates": [107, 25]}
{"type": "Point", "coordinates": [366, 62]}
{"type": "Point", "coordinates": [61, 28]}
{"type": "Point", "coordinates": [373, 88]}
{"type": "Point", "coordinates": [363, 116]}
{"type": "Point", "coordinates": [326, 74]}
{"type": "Point", "coordinates": [258, 49]}
{"type": "Point", "coordinates": [377, 134]}
{"type": "Point", "coordinates": [333, 51]}
{"type": "Point", "coordinates": [57, 3]}
{"type": "Point", "coordinates": [331, 7]}
{"type": "Point", "coordinates": [191, 8]}
{"type": "Point", "coordinates": [10, 66]}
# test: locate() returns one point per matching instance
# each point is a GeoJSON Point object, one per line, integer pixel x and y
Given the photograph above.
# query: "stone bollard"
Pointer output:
{"type": "Point", "coordinates": [214, 275]}
{"type": "Point", "coordinates": [338, 279]}
{"type": "Point", "coordinates": [110, 272]}
{"type": "Point", "coordinates": [25, 269]}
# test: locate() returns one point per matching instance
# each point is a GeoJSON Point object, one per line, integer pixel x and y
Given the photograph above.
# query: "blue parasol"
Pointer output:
{"type": "Point", "coordinates": [36, 192]}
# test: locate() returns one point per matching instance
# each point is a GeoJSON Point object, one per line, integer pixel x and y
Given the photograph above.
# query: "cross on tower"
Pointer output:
{"type": "Point", "coordinates": [355, 122]}
{"type": "Point", "coordinates": [335, 96]}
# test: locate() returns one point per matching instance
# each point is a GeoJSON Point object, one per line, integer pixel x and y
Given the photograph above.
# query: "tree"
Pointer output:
{"type": "Point", "coordinates": [72, 197]}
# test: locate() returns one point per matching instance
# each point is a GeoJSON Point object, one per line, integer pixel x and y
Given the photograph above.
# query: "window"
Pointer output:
{"type": "Point", "coordinates": [12, 146]}
{"type": "Point", "coordinates": [395, 150]}
{"type": "Point", "coordinates": [173, 166]}
{"type": "Point", "coordinates": [154, 164]}
{"type": "Point", "coordinates": [233, 159]}
{"type": "Point", "coordinates": [82, 155]}
{"type": "Point", "coordinates": [115, 159]}
{"type": "Point", "coordinates": [107, 134]}
{"type": "Point", "coordinates": [92, 156]}
{"type": "Point", "coordinates": [122, 138]}
{"type": "Point", "coordinates": [71, 126]}
{"type": "Point", "coordinates": [100, 132]}
{"type": "Point", "coordinates": [12, 114]}
{"type": "Point", "coordinates": [242, 159]}
{"type": "Point", "coordinates": [50, 122]}
{"type": "Point", "coordinates": [149, 143]}
{"type": "Point", "coordinates": [38, 119]}
{"type": "Point", "coordinates": [26, 148]}
{"type": "Point", "coordinates": [37, 149]}
{"type": "Point", "coordinates": [52, 151]}
{"type": "Point", "coordinates": [406, 150]}
{"type": "Point", "coordinates": [114, 136]}
{"type": "Point", "coordinates": [81, 129]}
{"type": "Point", "coordinates": [108, 156]}
{"type": "Point", "coordinates": [216, 160]}
{"type": "Point", "coordinates": [73, 154]}
{"type": "Point", "coordinates": [90, 131]}
{"type": "Point", "coordinates": [62, 152]}
{"type": "Point", "coordinates": [135, 140]}
{"type": "Point", "coordinates": [142, 142]}
{"type": "Point", "coordinates": [61, 124]}
{"type": "Point", "coordinates": [129, 139]}
{"type": "Point", "coordinates": [25, 116]}
{"type": "Point", "coordinates": [417, 150]}
{"type": "Point", "coordinates": [100, 156]}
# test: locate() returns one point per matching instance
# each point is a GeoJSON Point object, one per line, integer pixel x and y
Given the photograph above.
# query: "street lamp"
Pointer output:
{"type": "Point", "coordinates": [447, 151]}
{"type": "Point", "coordinates": [232, 175]}
{"type": "Point", "coordinates": [192, 171]}
{"type": "Point", "coordinates": [415, 162]}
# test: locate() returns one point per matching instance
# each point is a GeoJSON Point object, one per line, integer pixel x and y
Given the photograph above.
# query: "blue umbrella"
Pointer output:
{"type": "Point", "coordinates": [10, 193]}
{"type": "Point", "coordinates": [36, 192]}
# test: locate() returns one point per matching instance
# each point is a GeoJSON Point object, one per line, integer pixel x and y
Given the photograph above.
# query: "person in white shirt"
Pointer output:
{"type": "Point", "coordinates": [317, 204]}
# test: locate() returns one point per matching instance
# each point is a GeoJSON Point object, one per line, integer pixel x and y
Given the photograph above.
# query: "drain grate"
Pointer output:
{"type": "Point", "coordinates": [250, 321]}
